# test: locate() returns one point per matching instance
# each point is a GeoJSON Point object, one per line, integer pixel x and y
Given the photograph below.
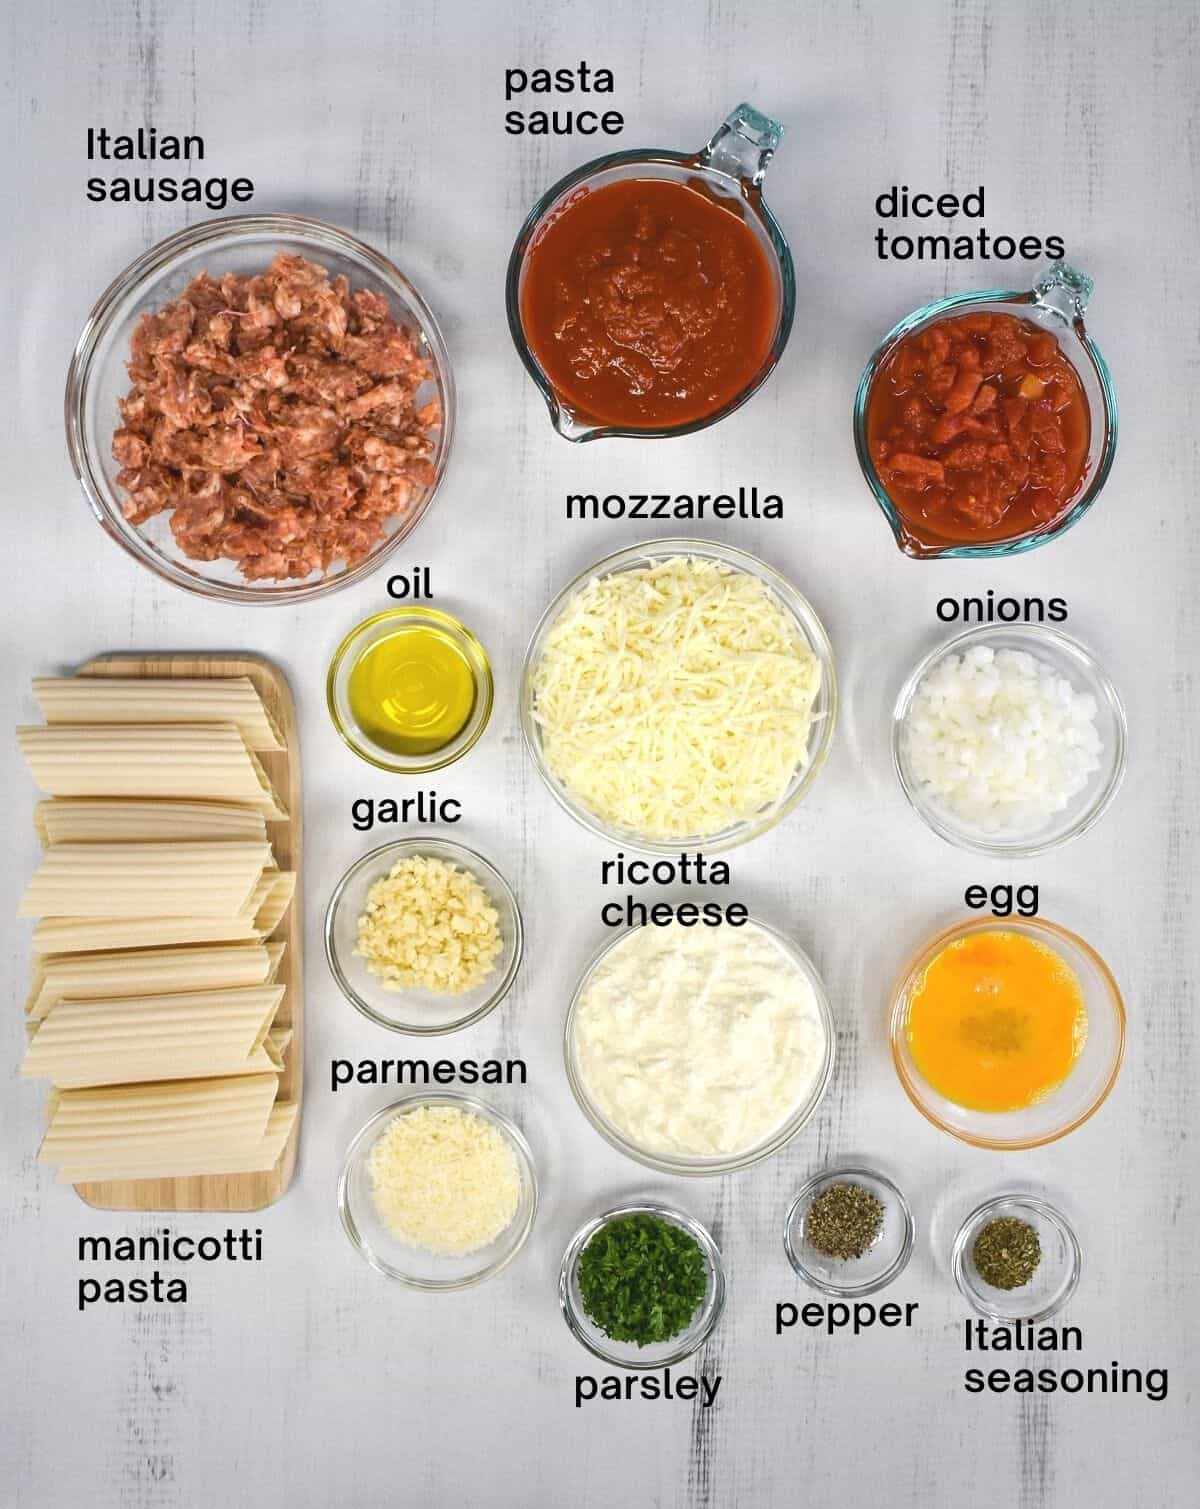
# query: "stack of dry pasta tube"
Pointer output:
{"type": "Point", "coordinates": [154, 990]}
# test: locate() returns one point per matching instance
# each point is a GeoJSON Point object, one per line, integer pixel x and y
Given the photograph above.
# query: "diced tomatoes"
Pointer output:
{"type": "Point", "coordinates": [979, 428]}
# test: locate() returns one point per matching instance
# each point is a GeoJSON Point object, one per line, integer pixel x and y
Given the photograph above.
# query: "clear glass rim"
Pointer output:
{"type": "Point", "coordinates": [795, 604]}
{"type": "Point", "coordinates": [695, 1337]}
{"type": "Point", "coordinates": [481, 714]}
{"type": "Point", "coordinates": [808, 1189]}
{"type": "Point", "coordinates": [1054, 933]}
{"type": "Point", "coordinates": [1105, 793]}
{"type": "Point", "coordinates": [521, 1149]}
{"type": "Point", "coordinates": [1036, 1206]}
{"type": "Point", "coordinates": [512, 291]}
{"type": "Point", "coordinates": [151, 262]}
{"type": "Point", "coordinates": [469, 860]}
{"type": "Point", "coordinates": [957, 303]}
{"type": "Point", "coordinates": [664, 1163]}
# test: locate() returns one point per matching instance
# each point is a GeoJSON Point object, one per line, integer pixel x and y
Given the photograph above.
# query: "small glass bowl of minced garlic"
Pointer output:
{"type": "Point", "coordinates": [1016, 1257]}
{"type": "Point", "coordinates": [849, 1232]}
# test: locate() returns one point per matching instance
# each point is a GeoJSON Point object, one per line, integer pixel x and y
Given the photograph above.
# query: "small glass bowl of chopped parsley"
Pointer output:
{"type": "Point", "coordinates": [849, 1232]}
{"type": "Point", "coordinates": [642, 1286]}
{"type": "Point", "coordinates": [1016, 1258]}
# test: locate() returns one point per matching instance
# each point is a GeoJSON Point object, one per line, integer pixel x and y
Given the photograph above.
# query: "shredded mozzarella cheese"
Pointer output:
{"type": "Point", "coordinates": [676, 699]}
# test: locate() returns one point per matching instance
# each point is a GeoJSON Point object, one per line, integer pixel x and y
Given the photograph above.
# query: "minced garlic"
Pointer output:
{"type": "Point", "coordinates": [429, 925]}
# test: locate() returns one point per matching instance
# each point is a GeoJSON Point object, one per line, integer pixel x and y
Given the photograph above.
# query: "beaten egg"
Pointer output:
{"type": "Point", "coordinates": [996, 1021]}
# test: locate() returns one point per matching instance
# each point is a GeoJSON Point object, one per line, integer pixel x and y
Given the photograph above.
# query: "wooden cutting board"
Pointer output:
{"type": "Point", "coordinates": [235, 1191]}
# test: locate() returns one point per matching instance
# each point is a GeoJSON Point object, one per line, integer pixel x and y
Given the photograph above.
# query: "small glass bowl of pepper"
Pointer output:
{"type": "Point", "coordinates": [994, 1243]}
{"type": "Point", "coordinates": [648, 1273]}
{"type": "Point", "coordinates": [849, 1232]}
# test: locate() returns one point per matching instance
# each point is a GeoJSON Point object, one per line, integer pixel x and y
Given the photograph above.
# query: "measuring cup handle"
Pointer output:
{"type": "Point", "coordinates": [1065, 290]}
{"type": "Point", "coordinates": [743, 145]}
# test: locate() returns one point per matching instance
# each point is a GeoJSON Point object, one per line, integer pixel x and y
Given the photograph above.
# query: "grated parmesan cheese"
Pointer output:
{"type": "Point", "coordinates": [444, 1179]}
{"type": "Point", "coordinates": [676, 699]}
{"type": "Point", "coordinates": [429, 925]}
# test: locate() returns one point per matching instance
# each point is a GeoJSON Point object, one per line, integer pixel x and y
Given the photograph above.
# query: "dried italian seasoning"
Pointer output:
{"type": "Point", "coordinates": [1007, 1253]}
{"type": "Point", "coordinates": [843, 1221]}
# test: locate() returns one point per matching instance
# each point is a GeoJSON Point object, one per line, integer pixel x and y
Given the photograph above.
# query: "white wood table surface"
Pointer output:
{"type": "Point", "coordinates": [309, 1380]}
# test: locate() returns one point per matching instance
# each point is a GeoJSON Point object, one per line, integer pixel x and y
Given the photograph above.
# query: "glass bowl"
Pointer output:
{"type": "Point", "coordinates": [1056, 302]}
{"type": "Point", "coordinates": [668, 1163]}
{"type": "Point", "coordinates": [367, 633]}
{"type": "Point", "coordinates": [1085, 1088]}
{"type": "Point", "coordinates": [731, 168]}
{"type": "Point", "coordinates": [883, 1261]}
{"type": "Point", "coordinates": [626, 1354]}
{"type": "Point", "coordinates": [1057, 1275]}
{"type": "Point", "coordinates": [422, 1013]}
{"type": "Point", "coordinates": [97, 379]}
{"type": "Point", "coordinates": [411, 1265]}
{"type": "Point", "coordinates": [1068, 658]}
{"type": "Point", "coordinates": [825, 707]}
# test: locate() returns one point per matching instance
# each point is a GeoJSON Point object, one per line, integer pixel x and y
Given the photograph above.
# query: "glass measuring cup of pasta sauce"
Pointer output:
{"type": "Point", "coordinates": [986, 423]}
{"type": "Point", "coordinates": [650, 293]}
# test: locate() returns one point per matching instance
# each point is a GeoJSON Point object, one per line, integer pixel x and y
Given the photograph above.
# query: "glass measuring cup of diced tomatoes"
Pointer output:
{"type": "Point", "coordinates": [986, 423]}
{"type": "Point", "coordinates": [650, 293]}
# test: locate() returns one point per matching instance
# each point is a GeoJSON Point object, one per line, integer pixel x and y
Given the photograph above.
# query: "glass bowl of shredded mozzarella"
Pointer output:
{"type": "Point", "coordinates": [438, 1191]}
{"type": "Point", "coordinates": [679, 694]}
{"type": "Point", "coordinates": [1009, 740]}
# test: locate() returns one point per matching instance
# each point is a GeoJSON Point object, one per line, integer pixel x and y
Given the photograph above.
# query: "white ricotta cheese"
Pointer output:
{"type": "Point", "coordinates": [698, 1042]}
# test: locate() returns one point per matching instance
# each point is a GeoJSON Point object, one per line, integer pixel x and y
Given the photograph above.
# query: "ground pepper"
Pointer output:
{"type": "Point", "coordinates": [1007, 1253]}
{"type": "Point", "coordinates": [642, 1279]}
{"type": "Point", "coordinates": [843, 1221]}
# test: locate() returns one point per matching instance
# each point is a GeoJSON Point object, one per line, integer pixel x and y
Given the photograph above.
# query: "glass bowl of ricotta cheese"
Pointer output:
{"type": "Point", "coordinates": [699, 1050]}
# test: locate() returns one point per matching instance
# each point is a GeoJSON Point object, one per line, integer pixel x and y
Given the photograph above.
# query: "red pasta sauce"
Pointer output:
{"type": "Point", "coordinates": [648, 304]}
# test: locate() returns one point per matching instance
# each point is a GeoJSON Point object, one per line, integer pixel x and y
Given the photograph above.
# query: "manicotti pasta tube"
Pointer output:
{"type": "Point", "coordinates": [142, 880]}
{"type": "Point", "coordinates": [150, 971]}
{"type": "Point", "coordinates": [194, 761]}
{"type": "Point", "coordinates": [199, 1035]}
{"type": "Point", "coordinates": [268, 904]}
{"type": "Point", "coordinates": [91, 820]}
{"type": "Point", "coordinates": [179, 1123]}
{"type": "Point", "coordinates": [120, 699]}
{"type": "Point", "coordinates": [262, 1158]}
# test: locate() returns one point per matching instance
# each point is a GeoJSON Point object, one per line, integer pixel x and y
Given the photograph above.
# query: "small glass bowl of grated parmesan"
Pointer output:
{"type": "Point", "coordinates": [1009, 740]}
{"type": "Point", "coordinates": [423, 936]}
{"type": "Point", "coordinates": [438, 1191]}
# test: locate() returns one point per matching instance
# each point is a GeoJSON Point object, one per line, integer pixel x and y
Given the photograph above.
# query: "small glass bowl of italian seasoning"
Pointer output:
{"type": "Point", "coordinates": [1016, 1258]}
{"type": "Point", "coordinates": [849, 1232]}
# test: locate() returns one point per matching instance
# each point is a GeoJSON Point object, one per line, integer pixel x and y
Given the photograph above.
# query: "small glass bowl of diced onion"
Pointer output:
{"type": "Point", "coordinates": [1009, 740]}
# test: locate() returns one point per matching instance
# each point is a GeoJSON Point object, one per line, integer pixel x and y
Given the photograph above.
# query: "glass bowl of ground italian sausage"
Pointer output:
{"type": "Point", "coordinates": [260, 408]}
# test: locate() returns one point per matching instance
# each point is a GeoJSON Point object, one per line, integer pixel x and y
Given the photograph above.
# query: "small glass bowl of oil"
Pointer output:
{"type": "Point", "coordinates": [410, 690]}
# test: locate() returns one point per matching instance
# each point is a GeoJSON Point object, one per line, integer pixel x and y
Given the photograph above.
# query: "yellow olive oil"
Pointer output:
{"type": "Point", "coordinates": [412, 691]}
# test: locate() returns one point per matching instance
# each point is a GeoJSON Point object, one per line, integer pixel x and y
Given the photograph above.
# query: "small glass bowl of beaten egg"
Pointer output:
{"type": "Point", "coordinates": [466, 1219]}
{"type": "Point", "coordinates": [1007, 1033]}
{"type": "Point", "coordinates": [411, 1008]}
{"type": "Point", "coordinates": [410, 690]}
